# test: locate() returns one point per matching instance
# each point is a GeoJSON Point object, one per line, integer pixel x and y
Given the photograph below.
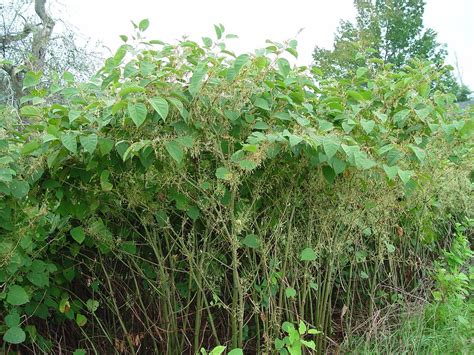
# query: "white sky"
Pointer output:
{"type": "Point", "coordinates": [254, 21]}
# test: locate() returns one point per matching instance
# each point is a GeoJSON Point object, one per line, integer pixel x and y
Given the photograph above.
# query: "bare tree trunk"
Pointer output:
{"type": "Point", "coordinates": [42, 34]}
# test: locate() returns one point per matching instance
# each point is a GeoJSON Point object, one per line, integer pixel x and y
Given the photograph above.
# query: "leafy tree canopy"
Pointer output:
{"type": "Point", "coordinates": [391, 30]}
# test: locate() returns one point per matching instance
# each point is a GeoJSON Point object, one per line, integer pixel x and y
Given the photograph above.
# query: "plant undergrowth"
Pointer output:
{"type": "Point", "coordinates": [441, 325]}
{"type": "Point", "coordinates": [188, 197]}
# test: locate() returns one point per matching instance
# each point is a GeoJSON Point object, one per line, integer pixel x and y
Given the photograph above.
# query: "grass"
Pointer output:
{"type": "Point", "coordinates": [446, 328]}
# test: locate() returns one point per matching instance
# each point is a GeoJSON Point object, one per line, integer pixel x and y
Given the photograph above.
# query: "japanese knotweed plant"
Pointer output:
{"type": "Point", "coordinates": [187, 197]}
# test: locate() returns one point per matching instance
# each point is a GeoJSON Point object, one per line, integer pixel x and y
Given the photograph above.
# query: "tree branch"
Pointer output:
{"type": "Point", "coordinates": [7, 39]}
{"type": "Point", "coordinates": [16, 79]}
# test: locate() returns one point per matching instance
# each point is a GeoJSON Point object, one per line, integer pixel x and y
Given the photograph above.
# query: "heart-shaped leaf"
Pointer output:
{"type": "Point", "coordinates": [160, 105]}
{"type": "Point", "coordinates": [137, 113]}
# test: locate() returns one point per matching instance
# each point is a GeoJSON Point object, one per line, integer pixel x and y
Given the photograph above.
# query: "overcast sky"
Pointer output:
{"type": "Point", "coordinates": [254, 21]}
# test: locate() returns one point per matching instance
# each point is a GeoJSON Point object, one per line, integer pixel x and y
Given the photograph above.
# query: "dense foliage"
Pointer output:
{"type": "Point", "coordinates": [187, 197]}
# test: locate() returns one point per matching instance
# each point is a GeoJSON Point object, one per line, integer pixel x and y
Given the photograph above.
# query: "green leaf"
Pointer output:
{"type": "Point", "coordinates": [14, 335]}
{"type": "Point", "coordinates": [120, 54]}
{"type": "Point", "coordinates": [137, 112]}
{"type": "Point", "coordinates": [250, 148]}
{"type": "Point", "coordinates": [207, 42]}
{"type": "Point", "coordinates": [236, 351]}
{"type": "Point", "coordinates": [290, 292]}
{"type": "Point", "coordinates": [160, 105]}
{"type": "Point", "coordinates": [292, 51]}
{"type": "Point", "coordinates": [309, 344]}
{"type": "Point", "coordinates": [400, 117]}
{"type": "Point", "coordinates": [68, 77]}
{"type": "Point", "coordinates": [19, 188]}
{"type": "Point", "coordinates": [338, 165]}
{"type": "Point", "coordinates": [30, 147]}
{"type": "Point", "coordinates": [405, 175]}
{"type": "Point", "coordinates": [420, 153]}
{"type": "Point", "coordinates": [308, 254]}
{"type": "Point", "coordinates": [186, 141]}
{"type": "Point", "coordinates": [247, 164]}
{"type": "Point", "coordinates": [6, 174]}
{"type": "Point", "coordinates": [78, 234]}
{"type": "Point", "coordinates": [129, 247]}
{"type": "Point", "coordinates": [175, 151]}
{"type": "Point", "coordinates": [143, 25]}
{"type": "Point", "coordinates": [196, 80]}
{"type": "Point", "coordinates": [223, 174]}
{"type": "Point", "coordinates": [325, 126]}
{"type": "Point", "coordinates": [13, 319]}
{"type": "Point", "coordinates": [217, 350]}
{"type": "Point", "coordinates": [81, 320]}
{"type": "Point", "coordinates": [38, 278]}
{"type": "Point", "coordinates": [69, 142]}
{"type": "Point", "coordinates": [330, 146]}
{"type": "Point", "coordinates": [390, 248]}
{"type": "Point", "coordinates": [92, 305]}
{"type": "Point", "coordinates": [262, 103]}
{"type": "Point", "coordinates": [391, 171]}
{"type": "Point", "coordinates": [64, 306]}
{"type": "Point", "coordinates": [279, 344]}
{"type": "Point", "coordinates": [218, 31]}
{"type": "Point", "coordinates": [367, 125]}
{"type": "Point", "coordinates": [329, 174]}
{"type": "Point", "coordinates": [381, 116]}
{"type": "Point", "coordinates": [287, 327]}
{"type": "Point", "coordinates": [237, 156]}
{"type": "Point", "coordinates": [301, 328]}
{"type": "Point", "coordinates": [121, 148]}
{"type": "Point", "coordinates": [363, 162]}
{"type": "Point", "coordinates": [30, 111]}
{"type": "Point", "coordinates": [129, 89]}
{"type": "Point", "coordinates": [283, 67]}
{"type": "Point", "coordinates": [17, 296]}
{"type": "Point", "coordinates": [31, 79]}
{"type": "Point", "coordinates": [193, 213]}
{"type": "Point", "coordinates": [393, 156]}
{"type": "Point", "coordinates": [355, 95]}
{"type": "Point", "coordinates": [422, 113]}
{"type": "Point", "coordinates": [105, 145]}
{"type": "Point", "coordinates": [294, 140]}
{"type": "Point", "coordinates": [73, 115]}
{"type": "Point", "coordinates": [89, 143]}
{"type": "Point", "coordinates": [104, 181]}
{"type": "Point", "coordinates": [239, 62]}
{"type": "Point", "coordinates": [179, 105]}
{"type": "Point", "coordinates": [302, 121]}
{"type": "Point", "coordinates": [251, 241]}
{"type": "Point", "coordinates": [261, 125]}
{"type": "Point", "coordinates": [360, 72]}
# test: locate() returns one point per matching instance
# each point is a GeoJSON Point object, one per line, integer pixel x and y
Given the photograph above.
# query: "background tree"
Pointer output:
{"type": "Point", "coordinates": [391, 30]}
{"type": "Point", "coordinates": [31, 40]}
